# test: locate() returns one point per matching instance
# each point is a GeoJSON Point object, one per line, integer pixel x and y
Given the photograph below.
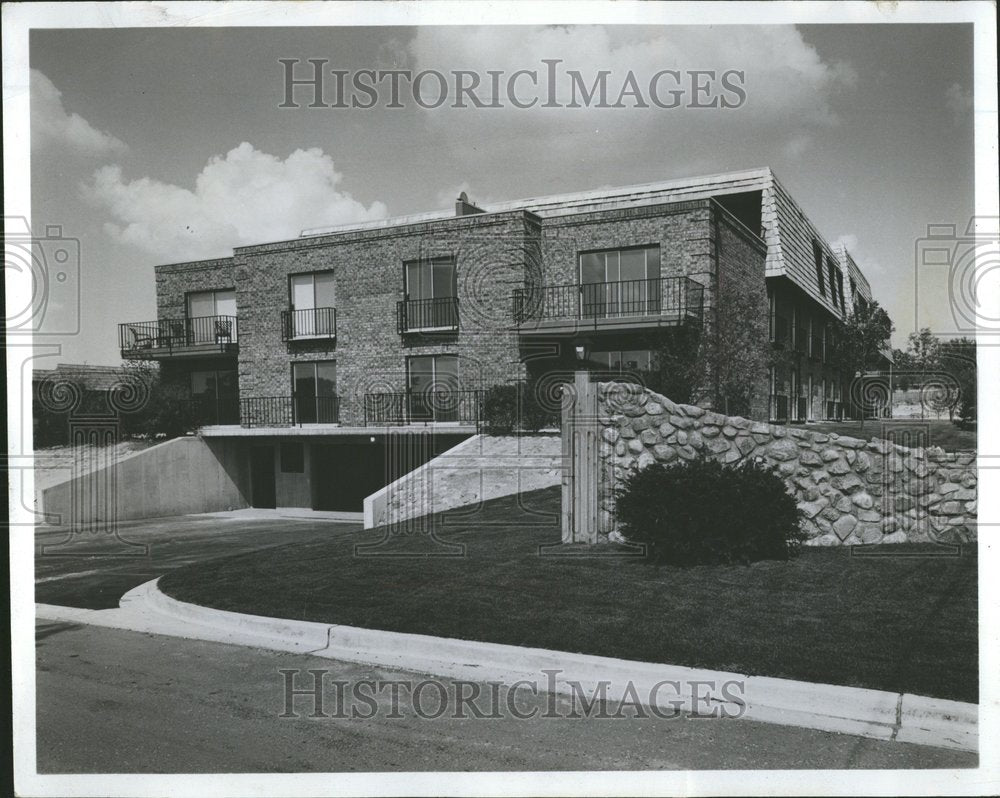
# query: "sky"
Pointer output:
{"type": "Point", "coordinates": [163, 145]}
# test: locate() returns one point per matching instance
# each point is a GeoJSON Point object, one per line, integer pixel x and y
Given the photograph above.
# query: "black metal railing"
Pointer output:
{"type": "Point", "coordinates": [166, 335]}
{"type": "Point", "coordinates": [779, 407]}
{"type": "Point", "coordinates": [427, 315]}
{"type": "Point", "coordinates": [780, 331]}
{"type": "Point", "coordinates": [442, 405]}
{"type": "Point", "coordinates": [677, 296]}
{"type": "Point", "coordinates": [308, 323]}
{"type": "Point", "coordinates": [288, 411]}
{"type": "Point", "coordinates": [209, 410]}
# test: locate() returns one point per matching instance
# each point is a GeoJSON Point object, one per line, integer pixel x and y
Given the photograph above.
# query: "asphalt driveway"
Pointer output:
{"type": "Point", "coordinates": [94, 569]}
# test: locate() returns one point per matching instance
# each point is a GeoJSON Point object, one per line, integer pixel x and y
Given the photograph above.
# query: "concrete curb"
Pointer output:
{"type": "Point", "coordinates": [665, 688]}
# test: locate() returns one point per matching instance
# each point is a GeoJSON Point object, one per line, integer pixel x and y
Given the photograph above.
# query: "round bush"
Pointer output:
{"type": "Point", "coordinates": [702, 512]}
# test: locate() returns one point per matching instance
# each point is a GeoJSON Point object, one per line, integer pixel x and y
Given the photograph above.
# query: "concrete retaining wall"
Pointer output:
{"type": "Point", "coordinates": [184, 475]}
{"type": "Point", "coordinates": [478, 469]}
{"type": "Point", "coordinates": [850, 491]}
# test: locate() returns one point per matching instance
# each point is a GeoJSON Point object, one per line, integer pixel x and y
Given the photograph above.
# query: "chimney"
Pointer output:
{"type": "Point", "coordinates": [465, 208]}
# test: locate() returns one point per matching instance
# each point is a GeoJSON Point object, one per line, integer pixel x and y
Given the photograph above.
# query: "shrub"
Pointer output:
{"type": "Point", "coordinates": [168, 412]}
{"type": "Point", "coordinates": [500, 409]}
{"type": "Point", "coordinates": [967, 411]}
{"type": "Point", "coordinates": [508, 408]}
{"type": "Point", "coordinates": [702, 512]}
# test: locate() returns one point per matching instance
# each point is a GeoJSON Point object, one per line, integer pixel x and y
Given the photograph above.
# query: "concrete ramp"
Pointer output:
{"type": "Point", "coordinates": [481, 468]}
{"type": "Point", "coordinates": [180, 476]}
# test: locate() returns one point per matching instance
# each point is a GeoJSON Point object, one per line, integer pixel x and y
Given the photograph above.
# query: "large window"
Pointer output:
{"type": "Point", "coordinates": [315, 391]}
{"type": "Point", "coordinates": [313, 299]}
{"type": "Point", "coordinates": [216, 396]}
{"type": "Point", "coordinates": [211, 316]}
{"type": "Point", "coordinates": [431, 289]}
{"type": "Point", "coordinates": [620, 282]}
{"type": "Point", "coordinates": [624, 361]}
{"type": "Point", "coordinates": [818, 258]}
{"type": "Point", "coordinates": [832, 271]}
{"type": "Point", "coordinates": [433, 388]}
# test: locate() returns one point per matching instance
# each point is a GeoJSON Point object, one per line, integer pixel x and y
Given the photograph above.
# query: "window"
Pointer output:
{"type": "Point", "coordinates": [623, 361]}
{"type": "Point", "coordinates": [840, 287]}
{"type": "Point", "coordinates": [211, 316]}
{"type": "Point", "coordinates": [293, 458]}
{"type": "Point", "coordinates": [831, 271]}
{"type": "Point", "coordinates": [313, 299]}
{"type": "Point", "coordinates": [617, 282]}
{"type": "Point", "coordinates": [433, 387]}
{"type": "Point", "coordinates": [818, 258]}
{"type": "Point", "coordinates": [431, 289]}
{"type": "Point", "coordinates": [314, 387]}
{"type": "Point", "coordinates": [215, 395]}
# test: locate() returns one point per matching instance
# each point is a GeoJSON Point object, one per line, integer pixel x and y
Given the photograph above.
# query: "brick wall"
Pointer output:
{"type": "Point", "coordinates": [492, 254]}
{"type": "Point", "coordinates": [740, 256]}
{"type": "Point", "coordinates": [176, 280]}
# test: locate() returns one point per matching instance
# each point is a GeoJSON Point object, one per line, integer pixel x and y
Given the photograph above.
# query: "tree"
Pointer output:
{"type": "Point", "coordinates": [922, 350]}
{"type": "Point", "coordinates": [677, 364]}
{"type": "Point", "coordinates": [903, 367]}
{"type": "Point", "coordinates": [861, 339]}
{"type": "Point", "coordinates": [957, 363]}
{"type": "Point", "coordinates": [738, 356]}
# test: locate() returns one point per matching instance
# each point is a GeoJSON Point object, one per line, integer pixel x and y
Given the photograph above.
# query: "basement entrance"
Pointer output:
{"type": "Point", "coordinates": [345, 472]}
{"type": "Point", "coordinates": [262, 489]}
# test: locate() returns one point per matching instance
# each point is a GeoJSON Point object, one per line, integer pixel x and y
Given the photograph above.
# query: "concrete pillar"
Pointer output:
{"type": "Point", "coordinates": [581, 465]}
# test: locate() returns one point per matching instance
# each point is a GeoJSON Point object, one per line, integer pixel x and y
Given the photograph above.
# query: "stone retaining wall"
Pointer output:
{"type": "Point", "coordinates": [849, 490]}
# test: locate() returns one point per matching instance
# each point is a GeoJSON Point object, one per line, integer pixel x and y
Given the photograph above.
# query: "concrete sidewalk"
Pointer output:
{"type": "Point", "coordinates": [849, 710]}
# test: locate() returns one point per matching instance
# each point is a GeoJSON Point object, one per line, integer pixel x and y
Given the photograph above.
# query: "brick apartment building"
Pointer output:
{"type": "Point", "coordinates": [305, 352]}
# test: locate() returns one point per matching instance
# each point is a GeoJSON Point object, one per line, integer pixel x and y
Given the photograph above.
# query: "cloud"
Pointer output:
{"type": "Point", "coordinates": [244, 197]}
{"type": "Point", "coordinates": [796, 146]}
{"type": "Point", "coordinates": [788, 84]}
{"type": "Point", "coordinates": [959, 102]}
{"type": "Point", "coordinates": [52, 125]}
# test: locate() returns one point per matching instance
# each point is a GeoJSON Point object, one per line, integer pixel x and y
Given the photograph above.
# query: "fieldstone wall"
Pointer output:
{"type": "Point", "coordinates": [849, 490]}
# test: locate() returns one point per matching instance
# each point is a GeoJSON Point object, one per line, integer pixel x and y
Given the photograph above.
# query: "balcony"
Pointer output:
{"type": "Point", "coordinates": [288, 411]}
{"type": "Point", "coordinates": [626, 305]}
{"type": "Point", "coordinates": [438, 315]}
{"type": "Point", "coordinates": [443, 406]}
{"type": "Point", "coordinates": [166, 338]}
{"type": "Point", "coordinates": [308, 324]}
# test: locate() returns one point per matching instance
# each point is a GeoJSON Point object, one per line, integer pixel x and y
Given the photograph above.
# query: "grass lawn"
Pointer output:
{"type": "Point", "coordinates": [905, 620]}
{"type": "Point", "coordinates": [938, 432]}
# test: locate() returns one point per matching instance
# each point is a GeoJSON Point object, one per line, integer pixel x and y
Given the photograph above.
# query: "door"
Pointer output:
{"type": "Point", "coordinates": [315, 387]}
{"type": "Point", "coordinates": [433, 388]}
{"type": "Point", "coordinates": [211, 317]}
{"type": "Point", "coordinates": [313, 297]}
{"type": "Point", "coordinates": [262, 489]}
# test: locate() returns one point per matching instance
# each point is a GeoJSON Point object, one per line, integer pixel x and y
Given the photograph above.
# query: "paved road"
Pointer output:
{"type": "Point", "coordinates": [117, 701]}
{"type": "Point", "coordinates": [94, 571]}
